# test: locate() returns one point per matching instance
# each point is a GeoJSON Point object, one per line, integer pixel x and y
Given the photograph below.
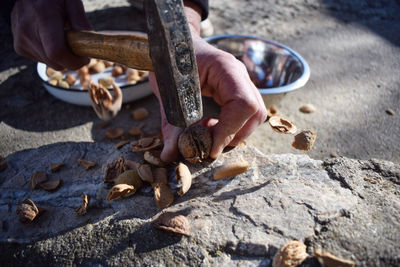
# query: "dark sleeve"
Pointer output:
{"type": "Point", "coordinates": [203, 4]}
{"type": "Point", "coordinates": [5, 10]}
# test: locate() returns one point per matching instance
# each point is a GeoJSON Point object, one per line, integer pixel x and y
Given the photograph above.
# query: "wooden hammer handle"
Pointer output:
{"type": "Point", "coordinates": [131, 50]}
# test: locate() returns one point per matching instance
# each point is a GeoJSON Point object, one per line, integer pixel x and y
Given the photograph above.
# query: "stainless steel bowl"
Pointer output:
{"type": "Point", "coordinates": [275, 69]}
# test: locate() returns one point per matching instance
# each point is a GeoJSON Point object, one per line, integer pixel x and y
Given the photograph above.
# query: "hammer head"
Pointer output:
{"type": "Point", "coordinates": [174, 61]}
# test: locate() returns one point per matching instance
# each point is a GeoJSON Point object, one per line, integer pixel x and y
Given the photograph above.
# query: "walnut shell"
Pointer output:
{"type": "Point", "coordinates": [87, 164]}
{"type": "Point", "coordinates": [195, 143]}
{"type": "Point", "coordinates": [27, 211]}
{"type": "Point", "coordinates": [119, 190]}
{"type": "Point", "coordinates": [51, 185]}
{"type": "Point", "coordinates": [153, 157]}
{"type": "Point", "coordinates": [184, 176]}
{"type": "Point", "coordinates": [55, 167]}
{"type": "Point", "coordinates": [130, 177]}
{"type": "Point", "coordinates": [231, 169]}
{"type": "Point", "coordinates": [37, 178]}
{"type": "Point", "coordinates": [171, 222]}
{"type": "Point", "coordinates": [145, 173]}
{"type": "Point", "coordinates": [160, 176]}
{"type": "Point", "coordinates": [114, 169]}
{"type": "Point", "coordinates": [82, 209]}
{"type": "Point", "coordinates": [290, 255]}
{"type": "Point", "coordinates": [281, 125]}
{"type": "Point", "coordinates": [163, 195]}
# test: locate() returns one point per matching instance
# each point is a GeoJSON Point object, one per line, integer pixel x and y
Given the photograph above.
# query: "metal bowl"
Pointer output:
{"type": "Point", "coordinates": [275, 69]}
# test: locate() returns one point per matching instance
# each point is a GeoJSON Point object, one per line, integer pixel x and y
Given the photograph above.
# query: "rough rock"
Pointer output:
{"type": "Point", "coordinates": [238, 221]}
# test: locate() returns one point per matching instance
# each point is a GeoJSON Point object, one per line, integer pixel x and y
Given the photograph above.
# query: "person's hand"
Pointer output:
{"type": "Point", "coordinates": [226, 80]}
{"type": "Point", "coordinates": [38, 30]}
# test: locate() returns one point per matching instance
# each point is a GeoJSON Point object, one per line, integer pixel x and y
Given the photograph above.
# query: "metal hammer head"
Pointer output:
{"type": "Point", "coordinates": [174, 61]}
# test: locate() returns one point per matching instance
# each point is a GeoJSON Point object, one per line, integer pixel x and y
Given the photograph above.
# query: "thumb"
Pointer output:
{"type": "Point", "coordinates": [170, 136]}
{"type": "Point", "coordinates": [76, 15]}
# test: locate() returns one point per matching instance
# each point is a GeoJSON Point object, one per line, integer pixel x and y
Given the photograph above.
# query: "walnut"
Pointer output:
{"type": "Point", "coordinates": [184, 176]}
{"type": "Point", "coordinates": [117, 71]}
{"type": "Point", "coordinates": [290, 255]}
{"type": "Point", "coordinates": [281, 125]}
{"type": "Point", "coordinates": [195, 143]}
{"type": "Point", "coordinates": [140, 114]}
{"type": "Point", "coordinates": [304, 140]}
{"type": "Point", "coordinates": [231, 169]}
{"type": "Point", "coordinates": [27, 211]}
{"type": "Point", "coordinates": [171, 222]}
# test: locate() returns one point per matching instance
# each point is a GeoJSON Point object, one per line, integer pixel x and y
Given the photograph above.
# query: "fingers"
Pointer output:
{"type": "Point", "coordinates": [38, 30]}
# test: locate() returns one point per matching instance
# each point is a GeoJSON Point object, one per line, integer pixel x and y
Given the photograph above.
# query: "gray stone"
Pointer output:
{"type": "Point", "coordinates": [238, 221]}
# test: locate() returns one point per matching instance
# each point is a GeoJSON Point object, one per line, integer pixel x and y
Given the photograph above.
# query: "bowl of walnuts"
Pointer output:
{"type": "Point", "coordinates": [72, 86]}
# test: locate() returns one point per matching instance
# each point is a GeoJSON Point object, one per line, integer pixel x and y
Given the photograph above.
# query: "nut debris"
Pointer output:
{"type": "Point", "coordinates": [329, 260]}
{"type": "Point", "coordinates": [195, 143]}
{"type": "Point", "coordinates": [27, 211]}
{"type": "Point", "coordinates": [146, 143]}
{"type": "Point", "coordinates": [308, 108]}
{"type": "Point", "coordinates": [163, 195]}
{"type": "Point", "coordinates": [114, 169]}
{"type": "Point", "coordinates": [291, 254]}
{"type": "Point", "coordinates": [231, 169]}
{"type": "Point", "coordinates": [160, 176]}
{"type": "Point", "coordinates": [82, 209]}
{"type": "Point", "coordinates": [304, 140]}
{"type": "Point", "coordinates": [55, 167]}
{"type": "Point", "coordinates": [390, 112]}
{"type": "Point", "coordinates": [272, 111]}
{"type": "Point", "coordinates": [51, 185]}
{"type": "Point", "coordinates": [37, 178]}
{"type": "Point", "coordinates": [129, 177]}
{"type": "Point", "coordinates": [153, 157]}
{"type": "Point", "coordinates": [140, 114]}
{"type": "Point", "coordinates": [281, 125]}
{"type": "Point", "coordinates": [145, 173]}
{"type": "Point", "coordinates": [135, 130]}
{"type": "Point", "coordinates": [115, 133]}
{"type": "Point", "coordinates": [184, 177]}
{"type": "Point", "coordinates": [119, 190]}
{"type": "Point", "coordinates": [121, 144]}
{"type": "Point", "coordinates": [170, 222]}
{"type": "Point", "coordinates": [87, 164]}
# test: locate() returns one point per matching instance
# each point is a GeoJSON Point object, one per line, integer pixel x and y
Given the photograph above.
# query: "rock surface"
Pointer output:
{"type": "Point", "coordinates": [350, 208]}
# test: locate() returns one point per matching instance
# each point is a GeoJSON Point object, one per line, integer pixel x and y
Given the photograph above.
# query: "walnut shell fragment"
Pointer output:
{"type": "Point", "coordinates": [163, 195]}
{"type": "Point", "coordinates": [308, 108]}
{"type": "Point", "coordinates": [153, 157]}
{"type": "Point", "coordinates": [304, 140]}
{"type": "Point", "coordinates": [3, 164]}
{"type": "Point", "coordinates": [160, 176]}
{"type": "Point", "coordinates": [119, 190]}
{"type": "Point", "coordinates": [135, 130]}
{"type": "Point", "coordinates": [27, 211]}
{"type": "Point", "coordinates": [140, 114]}
{"type": "Point", "coordinates": [231, 169]}
{"type": "Point", "coordinates": [145, 173]}
{"type": "Point", "coordinates": [115, 133]}
{"type": "Point", "coordinates": [146, 143]}
{"type": "Point", "coordinates": [281, 125]}
{"type": "Point", "coordinates": [130, 177]}
{"type": "Point", "coordinates": [184, 176]}
{"type": "Point", "coordinates": [87, 164]}
{"type": "Point", "coordinates": [114, 169]}
{"type": "Point", "coordinates": [290, 255]}
{"type": "Point", "coordinates": [171, 222]}
{"type": "Point", "coordinates": [121, 144]}
{"type": "Point", "coordinates": [82, 209]}
{"type": "Point", "coordinates": [55, 167]}
{"type": "Point", "coordinates": [329, 260]}
{"type": "Point", "coordinates": [37, 178]}
{"type": "Point", "coordinates": [51, 185]}
{"type": "Point", "coordinates": [131, 165]}
{"type": "Point", "coordinates": [195, 143]}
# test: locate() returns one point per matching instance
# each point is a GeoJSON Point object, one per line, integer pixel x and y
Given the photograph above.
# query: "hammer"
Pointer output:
{"type": "Point", "coordinates": [168, 51]}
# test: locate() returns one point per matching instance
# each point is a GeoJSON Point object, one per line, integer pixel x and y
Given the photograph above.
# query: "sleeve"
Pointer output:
{"type": "Point", "coordinates": [5, 10]}
{"type": "Point", "coordinates": [203, 4]}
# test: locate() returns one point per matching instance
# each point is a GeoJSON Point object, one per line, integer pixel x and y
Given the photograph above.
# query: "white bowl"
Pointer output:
{"type": "Point", "coordinates": [78, 96]}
